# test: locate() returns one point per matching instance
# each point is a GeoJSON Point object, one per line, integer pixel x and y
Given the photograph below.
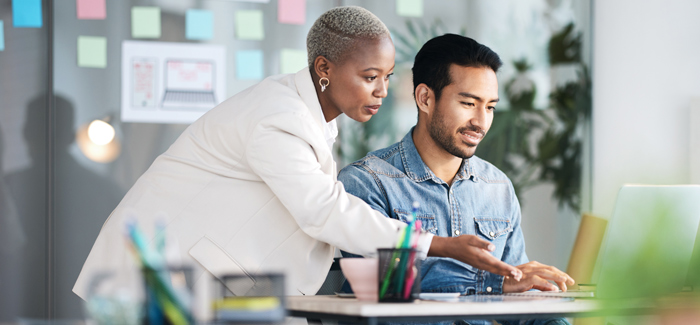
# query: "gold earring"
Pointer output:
{"type": "Point", "coordinates": [323, 87]}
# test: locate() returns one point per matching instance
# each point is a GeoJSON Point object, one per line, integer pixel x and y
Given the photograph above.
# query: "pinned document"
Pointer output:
{"type": "Point", "coordinates": [91, 9]}
{"type": "Point", "coordinates": [409, 8]}
{"type": "Point", "coordinates": [145, 22]}
{"type": "Point", "coordinates": [291, 12]}
{"type": "Point", "coordinates": [92, 52]}
{"type": "Point", "coordinates": [200, 24]}
{"type": "Point", "coordinates": [249, 65]}
{"type": "Point", "coordinates": [249, 25]}
{"type": "Point", "coordinates": [292, 60]}
{"type": "Point", "coordinates": [26, 13]}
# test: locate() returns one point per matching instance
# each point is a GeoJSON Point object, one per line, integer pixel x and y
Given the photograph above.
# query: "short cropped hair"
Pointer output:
{"type": "Point", "coordinates": [333, 35]}
{"type": "Point", "coordinates": [432, 64]}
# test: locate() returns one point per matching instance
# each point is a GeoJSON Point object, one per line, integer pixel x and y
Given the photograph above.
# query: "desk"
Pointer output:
{"type": "Point", "coordinates": [352, 310]}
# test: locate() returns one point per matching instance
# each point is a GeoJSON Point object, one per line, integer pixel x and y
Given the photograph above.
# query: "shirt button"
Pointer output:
{"type": "Point", "coordinates": [492, 234]}
{"type": "Point", "coordinates": [457, 232]}
{"type": "Point", "coordinates": [488, 289]}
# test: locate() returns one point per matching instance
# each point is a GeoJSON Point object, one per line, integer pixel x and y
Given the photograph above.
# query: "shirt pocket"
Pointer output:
{"type": "Point", "coordinates": [427, 221]}
{"type": "Point", "coordinates": [493, 228]}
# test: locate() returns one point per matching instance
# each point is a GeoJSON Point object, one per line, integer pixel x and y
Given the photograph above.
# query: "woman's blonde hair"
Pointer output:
{"type": "Point", "coordinates": [333, 35]}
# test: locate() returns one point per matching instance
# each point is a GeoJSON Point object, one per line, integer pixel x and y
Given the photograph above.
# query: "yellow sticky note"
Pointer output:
{"type": "Point", "coordinates": [92, 52]}
{"type": "Point", "coordinates": [145, 22]}
{"type": "Point", "coordinates": [249, 25]}
{"type": "Point", "coordinates": [409, 8]}
{"type": "Point", "coordinates": [292, 60]}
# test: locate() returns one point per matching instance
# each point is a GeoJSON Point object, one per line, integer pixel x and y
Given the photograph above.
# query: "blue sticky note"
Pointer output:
{"type": "Point", "coordinates": [2, 35]}
{"type": "Point", "coordinates": [200, 24]}
{"type": "Point", "coordinates": [26, 13]}
{"type": "Point", "coordinates": [249, 65]}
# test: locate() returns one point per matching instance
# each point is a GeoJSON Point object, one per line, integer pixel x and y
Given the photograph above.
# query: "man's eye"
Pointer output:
{"type": "Point", "coordinates": [492, 108]}
{"type": "Point", "coordinates": [467, 104]}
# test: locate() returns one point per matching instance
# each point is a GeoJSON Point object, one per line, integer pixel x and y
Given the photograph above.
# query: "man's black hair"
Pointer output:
{"type": "Point", "coordinates": [432, 64]}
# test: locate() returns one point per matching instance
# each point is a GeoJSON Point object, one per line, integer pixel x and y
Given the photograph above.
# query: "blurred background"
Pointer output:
{"type": "Point", "coordinates": [594, 94]}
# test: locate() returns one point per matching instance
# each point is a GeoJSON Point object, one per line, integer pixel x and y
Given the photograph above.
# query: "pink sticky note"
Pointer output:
{"type": "Point", "coordinates": [91, 9]}
{"type": "Point", "coordinates": [291, 12]}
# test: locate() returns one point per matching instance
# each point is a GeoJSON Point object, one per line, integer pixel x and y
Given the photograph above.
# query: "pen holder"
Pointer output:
{"type": "Point", "coordinates": [168, 295]}
{"type": "Point", "coordinates": [399, 274]}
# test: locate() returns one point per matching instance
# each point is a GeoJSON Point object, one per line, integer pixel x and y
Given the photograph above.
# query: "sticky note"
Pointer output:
{"type": "Point", "coordinates": [145, 22]}
{"type": "Point", "coordinates": [92, 52]}
{"type": "Point", "coordinates": [91, 9]}
{"type": "Point", "coordinates": [199, 24]}
{"type": "Point", "coordinates": [291, 12]}
{"type": "Point", "coordinates": [249, 65]}
{"type": "Point", "coordinates": [2, 35]}
{"type": "Point", "coordinates": [292, 60]}
{"type": "Point", "coordinates": [26, 13]}
{"type": "Point", "coordinates": [249, 25]}
{"type": "Point", "coordinates": [409, 8]}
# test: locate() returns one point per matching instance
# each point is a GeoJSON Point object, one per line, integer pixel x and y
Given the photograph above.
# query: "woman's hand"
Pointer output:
{"type": "Point", "coordinates": [474, 251]}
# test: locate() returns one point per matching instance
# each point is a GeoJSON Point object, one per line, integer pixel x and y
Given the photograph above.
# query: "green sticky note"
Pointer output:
{"type": "Point", "coordinates": [249, 25]}
{"type": "Point", "coordinates": [292, 60]}
{"type": "Point", "coordinates": [145, 22]}
{"type": "Point", "coordinates": [92, 52]}
{"type": "Point", "coordinates": [409, 8]}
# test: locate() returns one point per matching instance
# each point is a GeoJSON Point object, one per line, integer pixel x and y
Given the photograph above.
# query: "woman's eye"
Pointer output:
{"type": "Point", "coordinates": [389, 75]}
{"type": "Point", "coordinates": [371, 78]}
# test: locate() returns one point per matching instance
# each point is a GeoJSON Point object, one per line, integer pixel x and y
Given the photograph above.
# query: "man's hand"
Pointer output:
{"type": "Point", "coordinates": [536, 276]}
{"type": "Point", "coordinates": [474, 251]}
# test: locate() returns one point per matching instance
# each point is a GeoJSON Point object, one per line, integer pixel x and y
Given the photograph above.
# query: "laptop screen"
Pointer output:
{"type": "Point", "coordinates": [186, 75]}
{"type": "Point", "coordinates": [649, 241]}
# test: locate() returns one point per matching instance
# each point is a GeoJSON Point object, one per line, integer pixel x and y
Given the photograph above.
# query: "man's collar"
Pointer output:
{"type": "Point", "coordinates": [417, 170]}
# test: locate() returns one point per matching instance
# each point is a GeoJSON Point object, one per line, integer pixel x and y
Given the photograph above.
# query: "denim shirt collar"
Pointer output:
{"type": "Point", "coordinates": [417, 170]}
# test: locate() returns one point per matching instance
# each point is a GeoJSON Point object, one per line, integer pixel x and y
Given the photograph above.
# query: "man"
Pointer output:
{"type": "Point", "coordinates": [456, 91]}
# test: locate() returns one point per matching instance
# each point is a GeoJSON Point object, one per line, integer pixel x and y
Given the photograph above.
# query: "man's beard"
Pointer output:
{"type": "Point", "coordinates": [441, 135]}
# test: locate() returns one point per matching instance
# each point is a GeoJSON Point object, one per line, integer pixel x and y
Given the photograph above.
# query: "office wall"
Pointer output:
{"type": "Point", "coordinates": [645, 73]}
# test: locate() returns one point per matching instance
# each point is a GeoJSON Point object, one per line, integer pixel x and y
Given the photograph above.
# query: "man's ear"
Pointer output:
{"type": "Point", "coordinates": [425, 98]}
{"type": "Point", "coordinates": [322, 66]}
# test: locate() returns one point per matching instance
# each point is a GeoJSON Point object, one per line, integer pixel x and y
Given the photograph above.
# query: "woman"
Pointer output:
{"type": "Point", "coordinates": [251, 186]}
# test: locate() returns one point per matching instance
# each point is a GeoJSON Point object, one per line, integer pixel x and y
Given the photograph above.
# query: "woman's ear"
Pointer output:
{"type": "Point", "coordinates": [322, 66]}
{"type": "Point", "coordinates": [425, 98]}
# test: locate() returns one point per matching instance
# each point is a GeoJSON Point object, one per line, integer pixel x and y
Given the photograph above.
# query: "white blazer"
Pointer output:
{"type": "Point", "coordinates": [250, 187]}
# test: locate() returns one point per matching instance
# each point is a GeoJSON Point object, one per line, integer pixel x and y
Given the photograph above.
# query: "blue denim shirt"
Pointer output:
{"type": "Point", "coordinates": [481, 201]}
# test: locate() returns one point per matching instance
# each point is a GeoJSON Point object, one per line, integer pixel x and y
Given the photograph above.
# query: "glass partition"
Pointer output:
{"type": "Point", "coordinates": [55, 195]}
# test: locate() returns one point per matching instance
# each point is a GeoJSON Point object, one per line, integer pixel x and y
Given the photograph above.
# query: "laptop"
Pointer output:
{"type": "Point", "coordinates": [649, 244]}
{"type": "Point", "coordinates": [189, 84]}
